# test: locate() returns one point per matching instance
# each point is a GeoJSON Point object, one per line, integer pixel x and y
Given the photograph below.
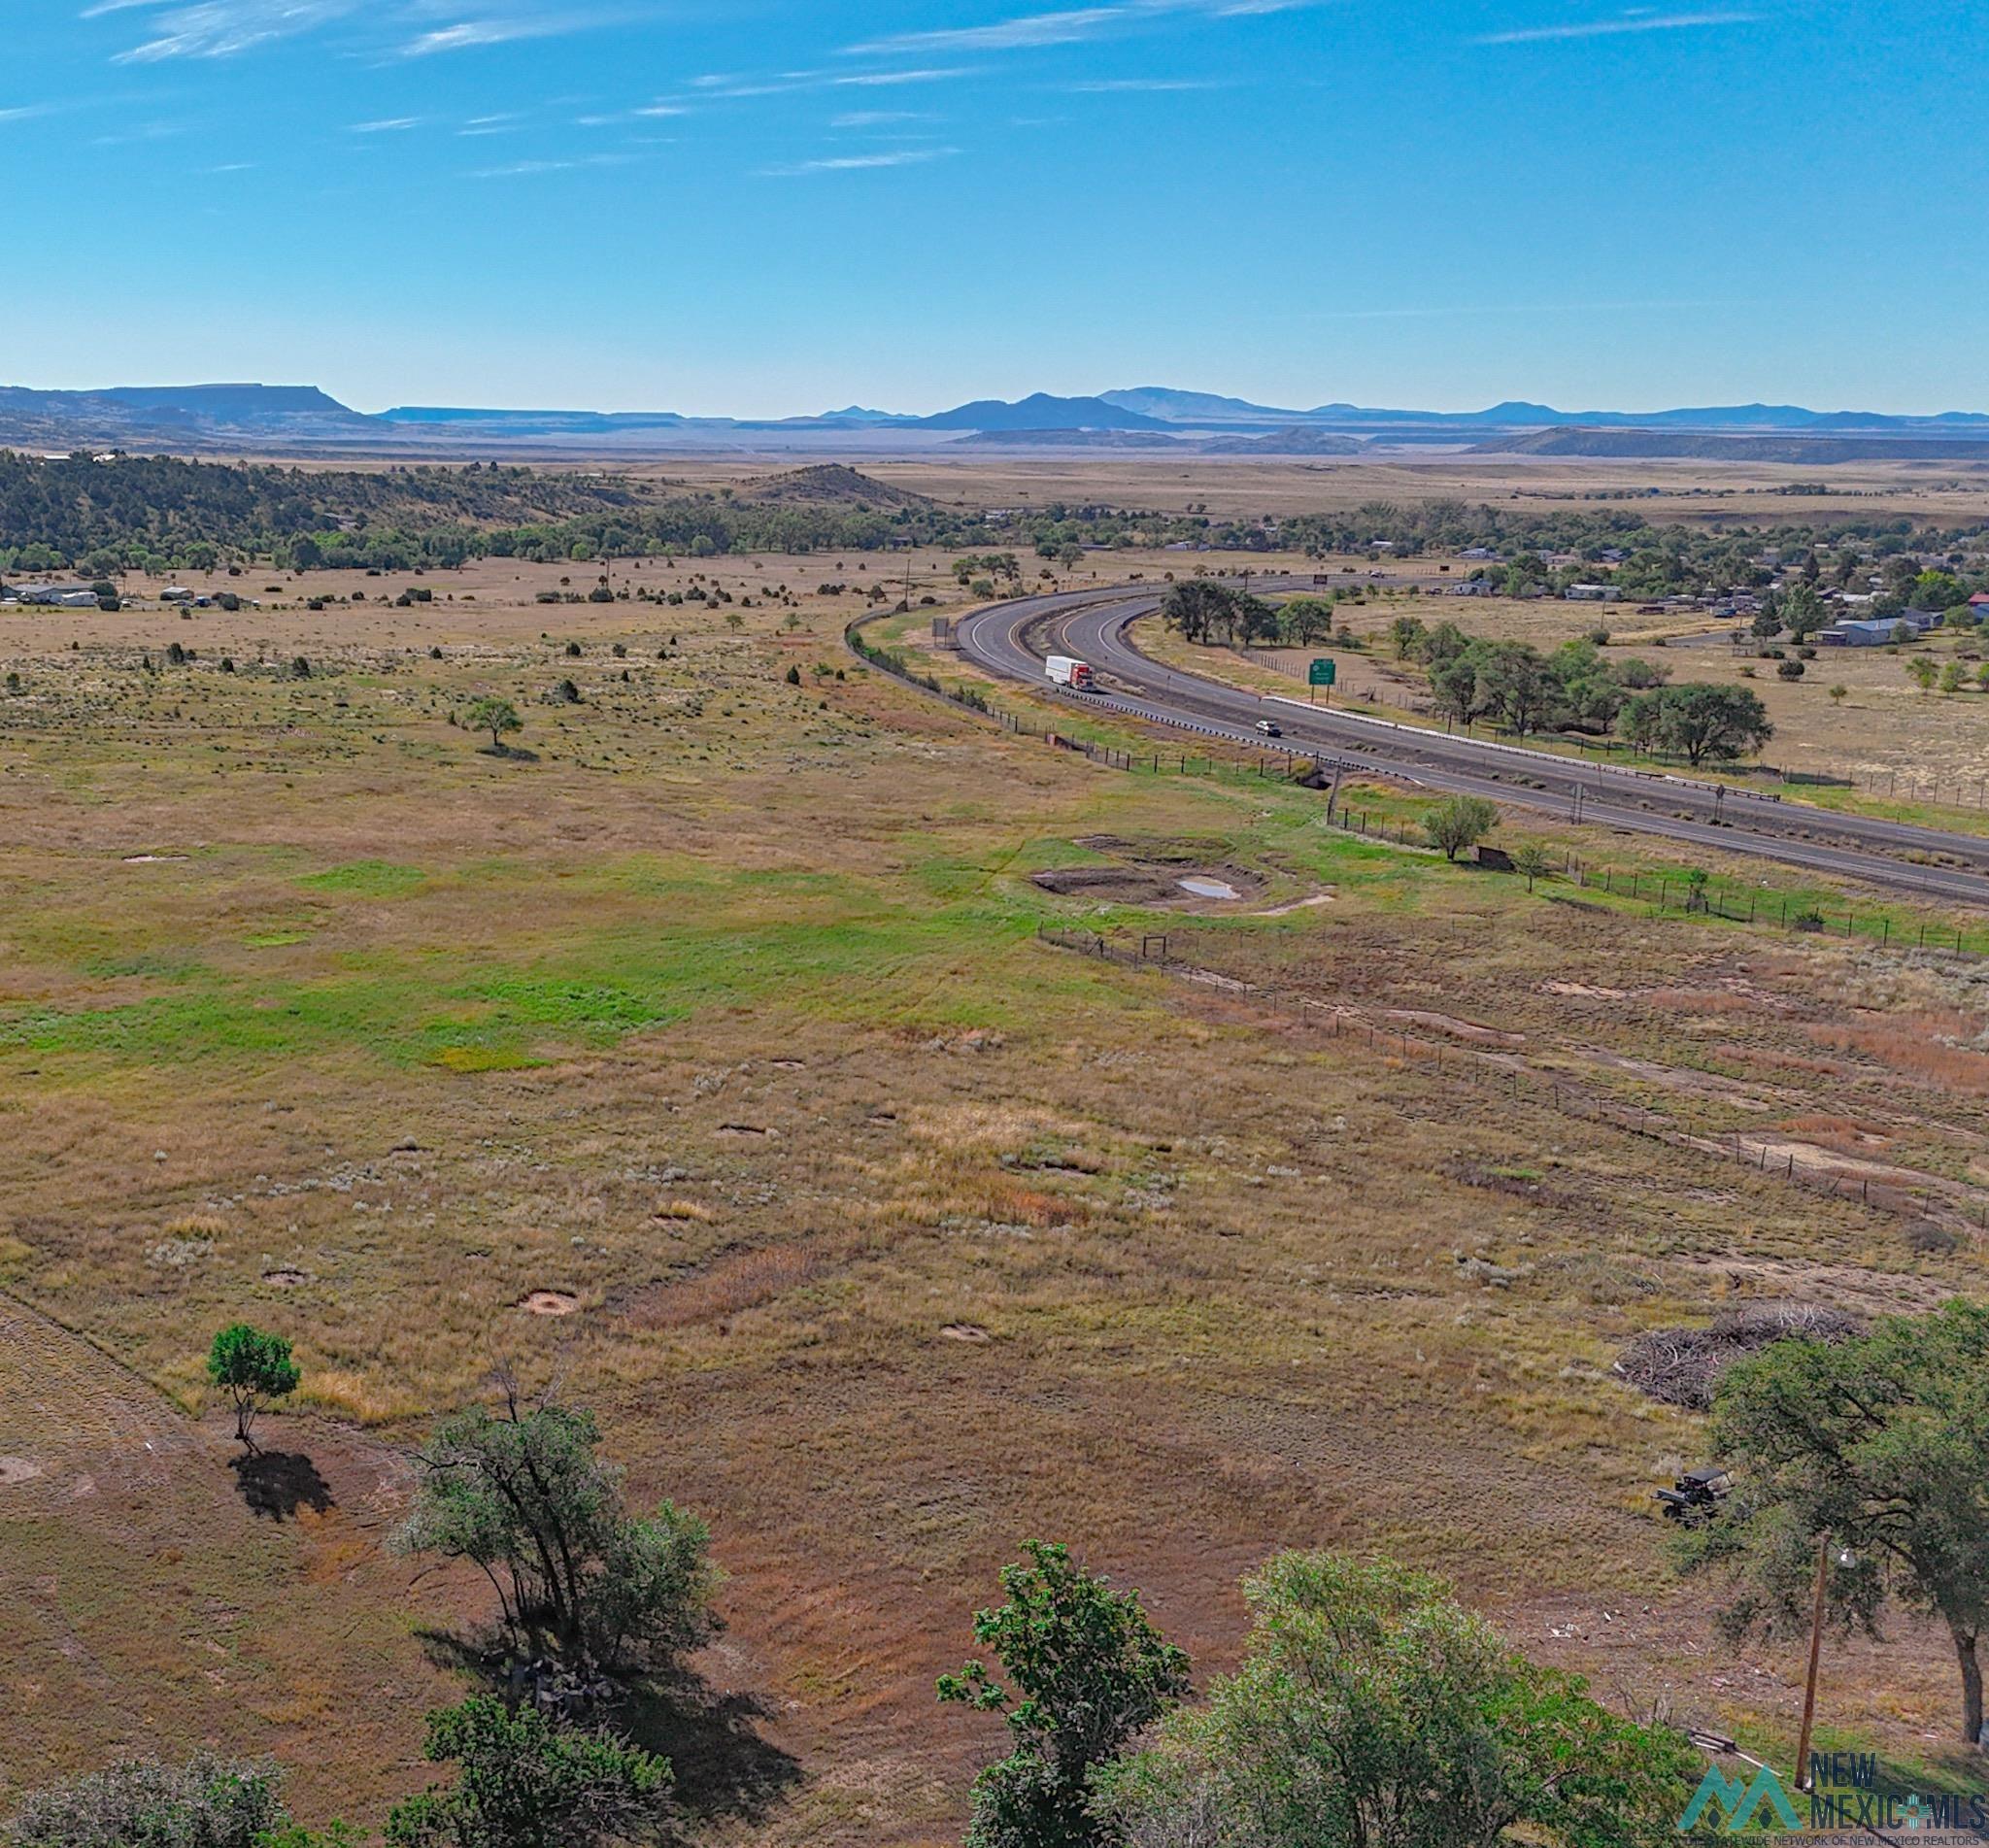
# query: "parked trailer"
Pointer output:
{"type": "Point", "coordinates": [1063, 671]}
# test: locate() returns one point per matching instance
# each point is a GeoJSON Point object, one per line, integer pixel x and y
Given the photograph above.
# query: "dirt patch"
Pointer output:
{"type": "Point", "coordinates": [1855, 1288]}
{"type": "Point", "coordinates": [1682, 1366]}
{"type": "Point", "coordinates": [1584, 991]}
{"type": "Point", "coordinates": [966, 1331]}
{"type": "Point", "coordinates": [14, 1469]}
{"type": "Point", "coordinates": [1466, 1031]}
{"type": "Point", "coordinates": [550, 1302]}
{"type": "Point", "coordinates": [1794, 1157]}
{"type": "Point", "coordinates": [1689, 1082]}
{"type": "Point", "coordinates": [1296, 904]}
{"type": "Point", "coordinates": [1152, 886]}
{"type": "Point", "coordinates": [1153, 873]}
{"type": "Point", "coordinates": [285, 1278]}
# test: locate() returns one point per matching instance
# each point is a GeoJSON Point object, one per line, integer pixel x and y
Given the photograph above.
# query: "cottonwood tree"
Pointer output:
{"type": "Point", "coordinates": [1372, 1709]}
{"type": "Point", "coordinates": [1699, 722]}
{"type": "Point", "coordinates": [252, 1368]}
{"type": "Point", "coordinates": [1200, 609]}
{"type": "Point", "coordinates": [1876, 1446]}
{"type": "Point", "coordinates": [1087, 1673]}
{"type": "Point", "coordinates": [525, 1781]}
{"type": "Point", "coordinates": [519, 1491]}
{"type": "Point", "coordinates": [1459, 821]}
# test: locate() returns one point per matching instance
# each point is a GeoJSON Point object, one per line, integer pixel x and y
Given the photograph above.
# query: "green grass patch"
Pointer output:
{"type": "Point", "coordinates": [367, 879]}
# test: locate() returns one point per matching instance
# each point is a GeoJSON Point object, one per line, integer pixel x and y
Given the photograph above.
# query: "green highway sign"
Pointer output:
{"type": "Point", "coordinates": [1324, 673]}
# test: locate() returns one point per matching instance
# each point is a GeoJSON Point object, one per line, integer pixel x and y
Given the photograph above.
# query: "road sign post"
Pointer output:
{"type": "Point", "coordinates": [1322, 673]}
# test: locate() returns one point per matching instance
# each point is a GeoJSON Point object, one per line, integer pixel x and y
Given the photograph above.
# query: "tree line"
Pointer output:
{"type": "Point", "coordinates": [163, 513]}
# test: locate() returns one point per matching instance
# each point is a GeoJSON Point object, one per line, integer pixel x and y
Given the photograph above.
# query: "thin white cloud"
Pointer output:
{"type": "Point", "coordinates": [877, 119]}
{"type": "Point", "coordinates": [1143, 85]}
{"type": "Point", "coordinates": [226, 29]}
{"type": "Point", "coordinates": [1610, 28]}
{"type": "Point", "coordinates": [1067, 26]}
{"type": "Point", "coordinates": [886, 79]}
{"type": "Point", "coordinates": [531, 169]}
{"type": "Point", "coordinates": [468, 35]}
{"type": "Point", "coordinates": [733, 90]}
{"type": "Point", "coordinates": [862, 164]}
{"type": "Point", "coordinates": [394, 125]}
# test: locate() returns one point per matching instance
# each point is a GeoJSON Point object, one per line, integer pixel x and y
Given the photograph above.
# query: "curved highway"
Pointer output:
{"type": "Point", "coordinates": [1010, 640]}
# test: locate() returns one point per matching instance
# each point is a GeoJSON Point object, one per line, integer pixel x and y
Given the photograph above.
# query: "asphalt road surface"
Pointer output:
{"type": "Point", "coordinates": [1011, 640]}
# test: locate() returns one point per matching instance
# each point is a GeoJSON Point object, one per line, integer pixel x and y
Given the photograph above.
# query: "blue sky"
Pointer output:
{"type": "Point", "coordinates": [758, 207]}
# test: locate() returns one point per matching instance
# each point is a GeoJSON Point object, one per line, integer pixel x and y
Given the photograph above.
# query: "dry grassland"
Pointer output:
{"type": "Point", "coordinates": [886, 1235]}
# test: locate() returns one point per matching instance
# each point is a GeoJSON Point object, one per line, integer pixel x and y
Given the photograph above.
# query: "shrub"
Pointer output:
{"type": "Point", "coordinates": [207, 1802]}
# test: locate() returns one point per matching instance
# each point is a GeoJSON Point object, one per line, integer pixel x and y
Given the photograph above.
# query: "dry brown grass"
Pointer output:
{"type": "Point", "coordinates": [724, 1018]}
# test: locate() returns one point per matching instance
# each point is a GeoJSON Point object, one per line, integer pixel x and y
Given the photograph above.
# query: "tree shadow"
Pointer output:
{"type": "Point", "coordinates": [726, 1771]}
{"type": "Point", "coordinates": [511, 752]}
{"type": "Point", "coordinates": [275, 1484]}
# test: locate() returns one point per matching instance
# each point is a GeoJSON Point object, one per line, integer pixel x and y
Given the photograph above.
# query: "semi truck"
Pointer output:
{"type": "Point", "coordinates": [1066, 672]}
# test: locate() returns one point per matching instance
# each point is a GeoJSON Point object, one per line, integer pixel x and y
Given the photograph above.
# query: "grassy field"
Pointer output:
{"type": "Point", "coordinates": [702, 1051]}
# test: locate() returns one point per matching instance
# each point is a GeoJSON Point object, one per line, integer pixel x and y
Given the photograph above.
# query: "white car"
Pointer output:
{"type": "Point", "coordinates": [1269, 729]}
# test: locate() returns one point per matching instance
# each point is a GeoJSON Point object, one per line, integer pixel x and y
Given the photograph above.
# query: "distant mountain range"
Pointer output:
{"type": "Point", "coordinates": [284, 420]}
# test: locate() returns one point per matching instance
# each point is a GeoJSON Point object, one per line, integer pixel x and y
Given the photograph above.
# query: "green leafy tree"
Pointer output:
{"type": "Point", "coordinates": [1838, 693]}
{"type": "Point", "coordinates": [1202, 609]}
{"type": "Point", "coordinates": [1534, 862]}
{"type": "Point", "coordinates": [207, 1802]}
{"type": "Point", "coordinates": [1514, 683]}
{"type": "Point", "coordinates": [1371, 1711]}
{"type": "Point", "coordinates": [1458, 687]}
{"type": "Point", "coordinates": [1923, 672]}
{"type": "Point", "coordinates": [519, 1491]}
{"type": "Point", "coordinates": [498, 716]}
{"type": "Point", "coordinates": [1088, 1671]}
{"type": "Point", "coordinates": [1951, 677]}
{"type": "Point", "coordinates": [1304, 622]}
{"type": "Point", "coordinates": [1459, 821]}
{"type": "Point", "coordinates": [1876, 1444]}
{"type": "Point", "coordinates": [1408, 634]}
{"type": "Point", "coordinates": [1938, 589]}
{"type": "Point", "coordinates": [523, 1781]}
{"type": "Point", "coordinates": [1804, 612]}
{"type": "Point", "coordinates": [1699, 722]}
{"type": "Point", "coordinates": [252, 1368]}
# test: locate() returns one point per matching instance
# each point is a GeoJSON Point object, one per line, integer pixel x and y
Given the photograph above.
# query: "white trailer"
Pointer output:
{"type": "Point", "coordinates": [1063, 671]}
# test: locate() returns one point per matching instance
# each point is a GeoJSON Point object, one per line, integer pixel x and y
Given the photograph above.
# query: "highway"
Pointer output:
{"type": "Point", "coordinates": [1010, 641]}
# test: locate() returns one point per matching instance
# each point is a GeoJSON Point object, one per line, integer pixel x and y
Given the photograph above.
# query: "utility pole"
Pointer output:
{"type": "Point", "coordinates": [1816, 1652]}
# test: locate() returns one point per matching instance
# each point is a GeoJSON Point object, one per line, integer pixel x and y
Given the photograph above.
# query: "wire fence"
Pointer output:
{"type": "Point", "coordinates": [1504, 1075]}
{"type": "Point", "coordinates": [1681, 894]}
